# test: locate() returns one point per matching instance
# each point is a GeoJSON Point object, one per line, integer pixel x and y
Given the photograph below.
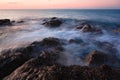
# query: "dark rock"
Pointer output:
{"type": "Point", "coordinates": [97, 58]}
{"type": "Point", "coordinates": [53, 22]}
{"type": "Point", "coordinates": [50, 42]}
{"type": "Point", "coordinates": [20, 21]}
{"type": "Point", "coordinates": [13, 21]}
{"type": "Point", "coordinates": [4, 22]}
{"type": "Point", "coordinates": [39, 69]}
{"type": "Point", "coordinates": [54, 18]}
{"type": "Point", "coordinates": [87, 28]}
{"type": "Point", "coordinates": [9, 62]}
{"type": "Point", "coordinates": [35, 48]}
{"type": "Point", "coordinates": [106, 46]}
{"type": "Point", "coordinates": [46, 44]}
{"type": "Point", "coordinates": [77, 41]}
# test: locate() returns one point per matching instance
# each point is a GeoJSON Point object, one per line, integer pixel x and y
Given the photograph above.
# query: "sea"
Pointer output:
{"type": "Point", "coordinates": [22, 34]}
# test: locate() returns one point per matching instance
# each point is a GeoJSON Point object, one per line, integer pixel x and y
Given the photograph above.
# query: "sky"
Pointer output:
{"type": "Point", "coordinates": [59, 4]}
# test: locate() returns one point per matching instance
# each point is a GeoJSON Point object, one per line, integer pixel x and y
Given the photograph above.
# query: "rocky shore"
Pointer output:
{"type": "Point", "coordinates": [43, 59]}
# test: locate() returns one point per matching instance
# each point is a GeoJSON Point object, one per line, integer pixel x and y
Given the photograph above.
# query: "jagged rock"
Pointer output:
{"type": "Point", "coordinates": [53, 22]}
{"type": "Point", "coordinates": [87, 28]}
{"type": "Point", "coordinates": [45, 68]}
{"type": "Point", "coordinates": [46, 44]}
{"type": "Point", "coordinates": [49, 44]}
{"type": "Point", "coordinates": [4, 22]}
{"type": "Point", "coordinates": [9, 62]}
{"type": "Point", "coordinates": [97, 58]}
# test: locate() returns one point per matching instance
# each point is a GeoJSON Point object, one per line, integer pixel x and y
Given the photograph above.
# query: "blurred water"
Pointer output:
{"type": "Point", "coordinates": [25, 33]}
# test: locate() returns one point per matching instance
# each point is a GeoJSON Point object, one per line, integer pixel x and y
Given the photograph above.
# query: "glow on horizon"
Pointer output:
{"type": "Point", "coordinates": [59, 4]}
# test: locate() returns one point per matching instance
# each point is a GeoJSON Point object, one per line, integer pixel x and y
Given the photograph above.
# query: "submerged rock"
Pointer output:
{"type": "Point", "coordinates": [97, 58]}
{"type": "Point", "coordinates": [9, 62]}
{"type": "Point", "coordinates": [4, 22]}
{"type": "Point", "coordinates": [87, 28]}
{"type": "Point", "coordinates": [46, 68]}
{"type": "Point", "coordinates": [107, 47]}
{"type": "Point", "coordinates": [53, 22]}
{"type": "Point", "coordinates": [76, 40]}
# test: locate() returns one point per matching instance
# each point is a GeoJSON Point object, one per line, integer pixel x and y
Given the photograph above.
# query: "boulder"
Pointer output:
{"type": "Point", "coordinates": [4, 22]}
{"type": "Point", "coordinates": [87, 28]}
{"type": "Point", "coordinates": [51, 41]}
{"type": "Point", "coordinates": [9, 62]}
{"type": "Point", "coordinates": [53, 22]}
{"type": "Point", "coordinates": [97, 58]}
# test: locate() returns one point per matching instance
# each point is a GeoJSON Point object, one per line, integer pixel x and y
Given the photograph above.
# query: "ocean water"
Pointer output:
{"type": "Point", "coordinates": [22, 34]}
{"type": "Point", "coordinates": [102, 15]}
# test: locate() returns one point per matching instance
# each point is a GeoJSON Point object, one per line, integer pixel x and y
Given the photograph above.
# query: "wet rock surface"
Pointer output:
{"type": "Point", "coordinates": [53, 22]}
{"type": "Point", "coordinates": [4, 22]}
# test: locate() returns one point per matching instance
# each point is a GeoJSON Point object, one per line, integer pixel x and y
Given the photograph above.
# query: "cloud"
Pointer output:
{"type": "Point", "coordinates": [12, 2]}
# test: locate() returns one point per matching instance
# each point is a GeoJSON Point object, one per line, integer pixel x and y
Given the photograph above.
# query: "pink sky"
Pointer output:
{"type": "Point", "coordinates": [53, 4]}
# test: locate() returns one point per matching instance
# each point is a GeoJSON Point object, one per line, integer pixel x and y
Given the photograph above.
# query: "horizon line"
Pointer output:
{"type": "Point", "coordinates": [61, 8]}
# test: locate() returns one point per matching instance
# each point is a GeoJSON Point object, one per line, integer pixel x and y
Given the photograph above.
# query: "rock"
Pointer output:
{"type": "Point", "coordinates": [4, 22]}
{"type": "Point", "coordinates": [13, 21]}
{"type": "Point", "coordinates": [53, 22]}
{"type": "Point", "coordinates": [87, 28]}
{"type": "Point", "coordinates": [97, 58]}
{"type": "Point", "coordinates": [46, 44]}
{"type": "Point", "coordinates": [20, 21]}
{"type": "Point", "coordinates": [35, 48]}
{"type": "Point", "coordinates": [51, 42]}
{"type": "Point", "coordinates": [38, 69]}
{"type": "Point", "coordinates": [9, 62]}
{"type": "Point", "coordinates": [106, 46]}
{"type": "Point", "coordinates": [77, 41]}
{"type": "Point", "coordinates": [116, 30]}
